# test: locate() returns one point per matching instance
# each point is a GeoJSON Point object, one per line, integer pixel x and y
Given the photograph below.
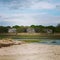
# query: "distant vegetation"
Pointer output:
{"type": "Point", "coordinates": [37, 28]}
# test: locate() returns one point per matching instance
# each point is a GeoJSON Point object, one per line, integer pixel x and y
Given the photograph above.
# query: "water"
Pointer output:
{"type": "Point", "coordinates": [46, 41]}
{"type": "Point", "coordinates": [51, 41]}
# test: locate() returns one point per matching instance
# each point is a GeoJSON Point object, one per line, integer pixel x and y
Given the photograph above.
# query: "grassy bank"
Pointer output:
{"type": "Point", "coordinates": [30, 36]}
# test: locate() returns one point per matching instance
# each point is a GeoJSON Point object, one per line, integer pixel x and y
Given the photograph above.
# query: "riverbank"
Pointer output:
{"type": "Point", "coordinates": [30, 51]}
{"type": "Point", "coordinates": [29, 35]}
{"type": "Point", "coordinates": [9, 42]}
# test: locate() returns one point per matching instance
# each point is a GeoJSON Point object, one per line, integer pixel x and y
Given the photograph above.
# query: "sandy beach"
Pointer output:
{"type": "Point", "coordinates": [31, 51]}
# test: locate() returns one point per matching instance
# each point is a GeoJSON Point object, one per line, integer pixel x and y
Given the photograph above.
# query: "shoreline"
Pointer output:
{"type": "Point", "coordinates": [31, 51]}
{"type": "Point", "coordinates": [9, 42]}
{"type": "Point", "coordinates": [22, 50]}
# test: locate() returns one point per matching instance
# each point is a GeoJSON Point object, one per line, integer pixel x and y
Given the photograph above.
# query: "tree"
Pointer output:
{"type": "Point", "coordinates": [16, 26]}
{"type": "Point", "coordinates": [52, 28]}
{"type": "Point", "coordinates": [58, 25]}
{"type": "Point", "coordinates": [3, 29]}
{"type": "Point", "coordinates": [57, 29]}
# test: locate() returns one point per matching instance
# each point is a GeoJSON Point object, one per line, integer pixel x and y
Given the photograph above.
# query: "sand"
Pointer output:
{"type": "Point", "coordinates": [31, 51]}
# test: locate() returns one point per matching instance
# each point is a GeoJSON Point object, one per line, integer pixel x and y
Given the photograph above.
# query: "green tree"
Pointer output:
{"type": "Point", "coordinates": [57, 28]}
{"type": "Point", "coordinates": [3, 29]}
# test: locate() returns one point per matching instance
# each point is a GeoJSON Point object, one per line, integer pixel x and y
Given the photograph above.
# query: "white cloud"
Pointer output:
{"type": "Point", "coordinates": [32, 4]}
{"type": "Point", "coordinates": [42, 5]}
{"type": "Point", "coordinates": [27, 18]}
{"type": "Point", "coordinates": [57, 6]}
{"type": "Point", "coordinates": [30, 19]}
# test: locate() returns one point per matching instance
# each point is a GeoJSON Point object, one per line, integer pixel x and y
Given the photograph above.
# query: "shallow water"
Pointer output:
{"type": "Point", "coordinates": [51, 41]}
{"type": "Point", "coordinates": [46, 41]}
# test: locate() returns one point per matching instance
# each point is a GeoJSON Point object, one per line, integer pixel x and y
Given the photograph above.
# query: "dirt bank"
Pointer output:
{"type": "Point", "coordinates": [9, 42]}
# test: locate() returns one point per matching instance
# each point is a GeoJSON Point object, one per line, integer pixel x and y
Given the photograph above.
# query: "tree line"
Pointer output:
{"type": "Point", "coordinates": [37, 28]}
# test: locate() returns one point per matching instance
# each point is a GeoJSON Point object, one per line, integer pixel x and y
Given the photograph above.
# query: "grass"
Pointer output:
{"type": "Point", "coordinates": [29, 41]}
{"type": "Point", "coordinates": [31, 36]}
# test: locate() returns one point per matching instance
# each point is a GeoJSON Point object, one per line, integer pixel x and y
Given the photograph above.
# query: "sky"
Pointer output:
{"type": "Point", "coordinates": [29, 12]}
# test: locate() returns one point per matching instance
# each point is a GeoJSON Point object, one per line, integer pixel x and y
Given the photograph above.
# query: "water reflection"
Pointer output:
{"type": "Point", "coordinates": [45, 41]}
{"type": "Point", "coordinates": [52, 42]}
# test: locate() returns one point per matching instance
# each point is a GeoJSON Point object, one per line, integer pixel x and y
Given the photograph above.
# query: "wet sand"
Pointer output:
{"type": "Point", "coordinates": [31, 51]}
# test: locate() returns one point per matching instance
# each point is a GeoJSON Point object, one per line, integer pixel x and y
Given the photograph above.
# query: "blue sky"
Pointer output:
{"type": "Point", "coordinates": [29, 12]}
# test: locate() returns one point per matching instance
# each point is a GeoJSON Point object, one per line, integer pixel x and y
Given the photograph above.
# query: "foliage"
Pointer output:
{"type": "Point", "coordinates": [37, 28]}
{"type": "Point", "coordinates": [3, 29]}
